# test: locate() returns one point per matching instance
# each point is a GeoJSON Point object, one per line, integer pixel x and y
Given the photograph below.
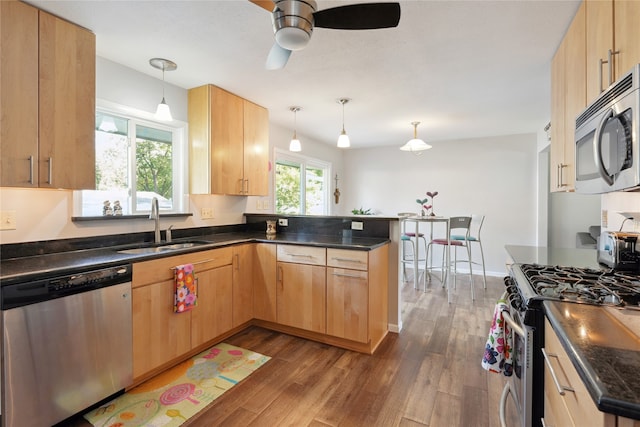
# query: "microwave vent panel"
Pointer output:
{"type": "Point", "coordinates": [606, 98]}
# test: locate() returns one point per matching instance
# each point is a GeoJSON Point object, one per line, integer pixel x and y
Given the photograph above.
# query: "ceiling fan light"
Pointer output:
{"type": "Point", "coordinates": [343, 140]}
{"type": "Point", "coordinates": [163, 112]}
{"type": "Point", "coordinates": [292, 38]}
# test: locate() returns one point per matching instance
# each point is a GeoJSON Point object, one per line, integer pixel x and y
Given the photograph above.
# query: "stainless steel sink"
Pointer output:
{"type": "Point", "coordinates": [162, 248]}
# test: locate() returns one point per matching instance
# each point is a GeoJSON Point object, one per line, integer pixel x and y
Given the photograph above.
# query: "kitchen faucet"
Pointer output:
{"type": "Point", "coordinates": [155, 215]}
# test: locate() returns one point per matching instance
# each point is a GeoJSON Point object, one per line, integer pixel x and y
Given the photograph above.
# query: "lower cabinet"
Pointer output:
{"type": "Point", "coordinates": [243, 265]}
{"type": "Point", "coordinates": [161, 336]}
{"type": "Point", "coordinates": [301, 296]}
{"type": "Point", "coordinates": [264, 281]}
{"type": "Point", "coordinates": [575, 407]}
{"type": "Point", "coordinates": [347, 304]}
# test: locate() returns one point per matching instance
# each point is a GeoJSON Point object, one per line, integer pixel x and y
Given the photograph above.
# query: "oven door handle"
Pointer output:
{"type": "Point", "coordinates": [503, 404]}
{"type": "Point", "coordinates": [561, 388]}
{"type": "Point", "coordinates": [514, 326]}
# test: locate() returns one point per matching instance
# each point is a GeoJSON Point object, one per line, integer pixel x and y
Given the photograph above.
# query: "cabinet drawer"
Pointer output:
{"type": "Point", "coordinates": [159, 270]}
{"type": "Point", "coordinates": [579, 404]}
{"type": "Point", "coordinates": [344, 258]}
{"type": "Point", "coordinates": [302, 254]}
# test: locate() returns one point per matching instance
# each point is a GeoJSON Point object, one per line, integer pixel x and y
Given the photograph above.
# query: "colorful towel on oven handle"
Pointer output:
{"type": "Point", "coordinates": [498, 351]}
{"type": "Point", "coordinates": [186, 288]}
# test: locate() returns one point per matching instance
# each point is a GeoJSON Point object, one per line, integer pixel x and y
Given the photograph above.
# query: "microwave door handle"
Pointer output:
{"type": "Point", "coordinates": [597, 147]}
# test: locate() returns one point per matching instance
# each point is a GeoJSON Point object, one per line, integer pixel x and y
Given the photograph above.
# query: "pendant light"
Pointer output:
{"type": "Point", "coordinates": [163, 112]}
{"type": "Point", "coordinates": [415, 145]}
{"type": "Point", "coordinates": [294, 145]}
{"type": "Point", "coordinates": [343, 139]}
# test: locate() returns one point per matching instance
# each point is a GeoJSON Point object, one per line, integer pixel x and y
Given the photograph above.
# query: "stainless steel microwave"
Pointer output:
{"type": "Point", "coordinates": [607, 139]}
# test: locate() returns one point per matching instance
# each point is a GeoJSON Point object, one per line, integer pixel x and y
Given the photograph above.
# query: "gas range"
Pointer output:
{"type": "Point", "coordinates": [572, 284]}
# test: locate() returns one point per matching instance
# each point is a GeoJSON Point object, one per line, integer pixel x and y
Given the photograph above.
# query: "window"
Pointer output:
{"type": "Point", "coordinates": [301, 185]}
{"type": "Point", "coordinates": [136, 160]}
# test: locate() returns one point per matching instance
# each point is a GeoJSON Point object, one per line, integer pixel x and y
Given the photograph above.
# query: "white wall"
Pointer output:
{"type": "Point", "coordinates": [491, 176]}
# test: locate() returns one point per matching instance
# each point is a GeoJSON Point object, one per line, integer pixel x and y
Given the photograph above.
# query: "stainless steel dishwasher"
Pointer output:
{"type": "Point", "coordinates": [67, 344]}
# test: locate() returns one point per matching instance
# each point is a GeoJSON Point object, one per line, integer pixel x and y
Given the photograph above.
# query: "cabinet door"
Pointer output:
{"type": "Point", "coordinates": [67, 58]}
{"type": "Point", "coordinates": [556, 155]}
{"type": "Point", "coordinates": [159, 334]}
{"type": "Point", "coordinates": [242, 284]}
{"type": "Point", "coordinates": [18, 94]}
{"type": "Point", "coordinates": [301, 296]}
{"type": "Point", "coordinates": [347, 304]}
{"type": "Point", "coordinates": [264, 282]}
{"type": "Point", "coordinates": [226, 142]}
{"type": "Point", "coordinates": [626, 34]}
{"type": "Point", "coordinates": [256, 150]}
{"type": "Point", "coordinates": [212, 316]}
{"type": "Point", "coordinates": [599, 38]}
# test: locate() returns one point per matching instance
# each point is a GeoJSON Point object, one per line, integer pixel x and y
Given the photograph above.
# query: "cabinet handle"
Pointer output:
{"type": "Point", "coordinates": [247, 190]}
{"type": "Point", "coordinates": [30, 169]}
{"type": "Point", "coordinates": [561, 388]}
{"type": "Point", "coordinates": [50, 161]}
{"type": "Point", "coordinates": [353, 276]}
{"type": "Point", "coordinates": [301, 255]}
{"type": "Point", "coordinates": [357, 261]}
{"type": "Point", "coordinates": [503, 404]}
{"type": "Point", "coordinates": [602, 62]}
{"type": "Point", "coordinates": [279, 274]}
{"type": "Point", "coordinates": [610, 54]}
{"type": "Point", "coordinates": [237, 261]}
{"type": "Point", "coordinates": [543, 423]}
{"type": "Point", "coordinates": [560, 180]}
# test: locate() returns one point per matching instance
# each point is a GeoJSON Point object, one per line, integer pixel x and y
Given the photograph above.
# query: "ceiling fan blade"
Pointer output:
{"type": "Point", "coordinates": [278, 57]}
{"type": "Point", "coordinates": [267, 5]}
{"type": "Point", "coordinates": [364, 16]}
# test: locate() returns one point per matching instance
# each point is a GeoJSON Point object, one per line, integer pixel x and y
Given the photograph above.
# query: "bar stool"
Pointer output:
{"type": "Point", "coordinates": [474, 237]}
{"type": "Point", "coordinates": [409, 238]}
{"type": "Point", "coordinates": [462, 225]}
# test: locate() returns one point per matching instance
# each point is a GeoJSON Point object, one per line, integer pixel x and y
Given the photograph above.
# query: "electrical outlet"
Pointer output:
{"type": "Point", "coordinates": [283, 222]}
{"type": "Point", "coordinates": [206, 213]}
{"type": "Point", "coordinates": [265, 204]}
{"type": "Point", "coordinates": [258, 205]}
{"type": "Point", "coordinates": [356, 225]}
{"type": "Point", "coordinates": [8, 220]}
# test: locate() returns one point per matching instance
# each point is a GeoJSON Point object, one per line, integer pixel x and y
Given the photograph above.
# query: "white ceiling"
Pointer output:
{"type": "Point", "coordinates": [464, 69]}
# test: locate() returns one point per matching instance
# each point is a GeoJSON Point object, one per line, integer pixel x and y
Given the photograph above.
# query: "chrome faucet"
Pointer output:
{"type": "Point", "coordinates": [155, 215]}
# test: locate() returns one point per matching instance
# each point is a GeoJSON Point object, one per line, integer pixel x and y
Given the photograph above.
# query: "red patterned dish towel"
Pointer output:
{"type": "Point", "coordinates": [186, 288]}
{"type": "Point", "coordinates": [497, 353]}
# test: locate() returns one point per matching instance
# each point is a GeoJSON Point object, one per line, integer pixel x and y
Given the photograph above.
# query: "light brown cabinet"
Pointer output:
{"type": "Point", "coordinates": [301, 287]}
{"type": "Point", "coordinates": [568, 99]}
{"type": "Point", "coordinates": [243, 256]}
{"type": "Point", "coordinates": [575, 407]}
{"type": "Point", "coordinates": [228, 143]}
{"type": "Point", "coordinates": [264, 282]}
{"type": "Point", "coordinates": [612, 42]}
{"type": "Point", "coordinates": [48, 100]}
{"type": "Point", "coordinates": [161, 336]}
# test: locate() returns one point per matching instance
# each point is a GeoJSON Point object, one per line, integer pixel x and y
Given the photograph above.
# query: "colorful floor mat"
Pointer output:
{"type": "Point", "coordinates": [170, 398]}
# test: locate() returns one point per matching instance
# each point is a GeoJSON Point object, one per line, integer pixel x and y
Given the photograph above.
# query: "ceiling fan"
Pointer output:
{"type": "Point", "coordinates": [294, 20]}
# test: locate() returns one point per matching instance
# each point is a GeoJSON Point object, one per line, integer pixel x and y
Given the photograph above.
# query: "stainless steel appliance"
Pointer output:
{"type": "Point", "coordinates": [617, 250]}
{"type": "Point", "coordinates": [526, 287]}
{"type": "Point", "coordinates": [607, 155]}
{"type": "Point", "coordinates": [67, 344]}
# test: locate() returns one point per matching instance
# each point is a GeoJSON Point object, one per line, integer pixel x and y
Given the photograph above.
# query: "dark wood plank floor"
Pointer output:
{"type": "Point", "coordinates": [427, 375]}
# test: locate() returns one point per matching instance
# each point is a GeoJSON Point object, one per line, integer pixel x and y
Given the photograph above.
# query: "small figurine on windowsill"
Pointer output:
{"type": "Point", "coordinates": [106, 208]}
{"type": "Point", "coordinates": [117, 209]}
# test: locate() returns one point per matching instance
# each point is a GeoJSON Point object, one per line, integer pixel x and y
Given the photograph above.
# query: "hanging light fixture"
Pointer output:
{"type": "Point", "coordinates": [163, 112]}
{"type": "Point", "coordinates": [294, 145]}
{"type": "Point", "coordinates": [415, 145]}
{"type": "Point", "coordinates": [343, 139]}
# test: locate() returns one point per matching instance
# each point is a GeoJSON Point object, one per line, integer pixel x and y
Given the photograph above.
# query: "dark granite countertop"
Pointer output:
{"type": "Point", "coordinates": [58, 263]}
{"type": "Point", "coordinates": [605, 353]}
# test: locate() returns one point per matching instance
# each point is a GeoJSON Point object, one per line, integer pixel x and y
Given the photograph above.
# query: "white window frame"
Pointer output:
{"type": "Point", "coordinates": [304, 162]}
{"type": "Point", "coordinates": [180, 153]}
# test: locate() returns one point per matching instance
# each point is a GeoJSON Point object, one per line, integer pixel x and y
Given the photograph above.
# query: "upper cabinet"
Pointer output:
{"type": "Point", "coordinates": [568, 99]}
{"type": "Point", "coordinates": [228, 144]}
{"type": "Point", "coordinates": [47, 100]}
{"type": "Point", "coordinates": [612, 42]}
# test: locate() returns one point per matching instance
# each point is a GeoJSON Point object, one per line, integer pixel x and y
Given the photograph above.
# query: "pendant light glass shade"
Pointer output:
{"type": "Point", "coordinates": [415, 145]}
{"type": "Point", "coordinates": [343, 139]}
{"type": "Point", "coordinates": [163, 112]}
{"type": "Point", "coordinates": [295, 145]}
